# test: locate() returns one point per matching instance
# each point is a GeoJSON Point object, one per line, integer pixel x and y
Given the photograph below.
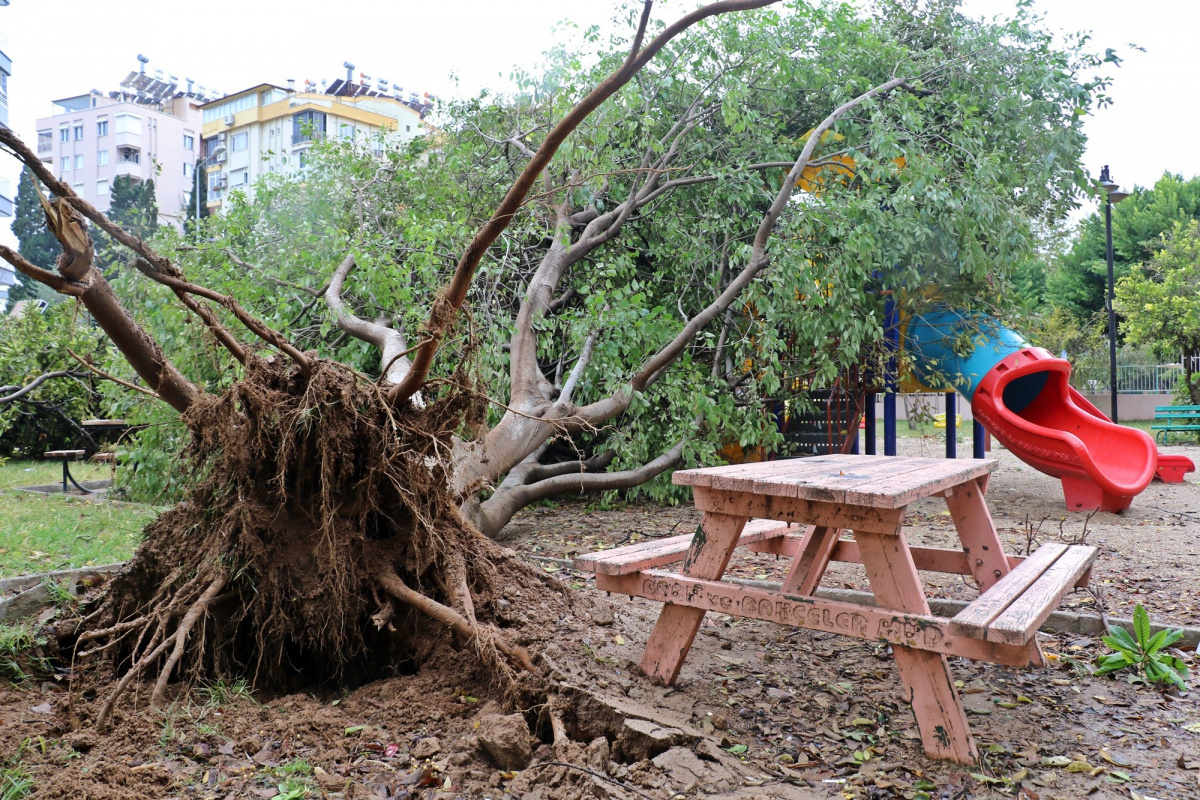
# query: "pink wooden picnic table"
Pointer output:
{"type": "Point", "coordinates": [818, 499]}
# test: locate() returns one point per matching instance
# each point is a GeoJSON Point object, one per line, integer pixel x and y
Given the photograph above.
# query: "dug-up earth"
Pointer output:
{"type": "Point", "coordinates": [759, 711]}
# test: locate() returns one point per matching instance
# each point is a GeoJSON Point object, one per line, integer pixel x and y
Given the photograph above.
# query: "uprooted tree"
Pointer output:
{"type": "Point", "coordinates": [638, 238]}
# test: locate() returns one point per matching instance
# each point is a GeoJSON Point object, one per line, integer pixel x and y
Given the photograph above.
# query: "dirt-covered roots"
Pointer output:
{"type": "Point", "coordinates": [314, 506]}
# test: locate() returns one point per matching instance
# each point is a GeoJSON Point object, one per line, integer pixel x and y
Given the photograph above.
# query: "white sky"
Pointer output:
{"type": "Point", "coordinates": [67, 47]}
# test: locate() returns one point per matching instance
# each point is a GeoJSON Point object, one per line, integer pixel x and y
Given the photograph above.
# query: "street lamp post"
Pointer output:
{"type": "Point", "coordinates": [1113, 194]}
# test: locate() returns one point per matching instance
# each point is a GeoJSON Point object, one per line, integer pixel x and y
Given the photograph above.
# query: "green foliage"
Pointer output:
{"type": "Point", "coordinates": [1159, 302]}
{"type": "Point", "coordinates": [1078, 281]}
{"type": "Point", "coordinates": [34, 344]}
{"type": "Point", "coordinates": [133, 206]}
{"type": "Point", "coordinates": [1143, 652]}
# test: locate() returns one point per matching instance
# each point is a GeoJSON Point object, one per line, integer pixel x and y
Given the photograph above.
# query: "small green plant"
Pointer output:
{"type": "Point", "coordinates": [1143, 652]}
{"type": "Point", "coordinates": [15, 783]}
{"type": "Point", "coordinates": [16, 657]}
{"type": "Point", "coordinates": [219, 693]}
{"type": "Point", "coordinates": [60, 595]}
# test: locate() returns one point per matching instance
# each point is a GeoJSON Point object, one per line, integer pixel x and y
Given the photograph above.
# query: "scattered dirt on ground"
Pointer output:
{"type": "Point", "coordinates": [759, 711]}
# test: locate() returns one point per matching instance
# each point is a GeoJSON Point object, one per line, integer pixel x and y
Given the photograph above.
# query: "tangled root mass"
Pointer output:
{"type": "Point", "coordinates": [310, 496]}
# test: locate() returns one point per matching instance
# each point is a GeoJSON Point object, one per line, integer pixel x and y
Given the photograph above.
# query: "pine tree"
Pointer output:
{"type": "Point", "coordinates": [37, 243]}
{"type": "Point", "coordinates": [201, 185]}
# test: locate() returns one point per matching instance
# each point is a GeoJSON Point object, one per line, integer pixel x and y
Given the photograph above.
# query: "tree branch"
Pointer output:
{"type": "Point", "coordinates": [21, 391]}
{"type": "Point", "coordinates": [447, 304]}
{"type": "Point", "coordinates": [391, 343]}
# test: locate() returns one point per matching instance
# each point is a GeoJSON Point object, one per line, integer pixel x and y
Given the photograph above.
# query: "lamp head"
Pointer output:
{"type": "Point", "coordinates": [1116, 195]}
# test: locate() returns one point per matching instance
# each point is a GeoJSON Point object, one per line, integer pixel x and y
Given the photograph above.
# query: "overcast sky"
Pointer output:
{"type": "Point", "coordinates": [67, 47]}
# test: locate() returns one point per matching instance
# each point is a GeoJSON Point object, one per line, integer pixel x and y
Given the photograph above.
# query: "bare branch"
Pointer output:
{"type": "Point", "coordinates": [21, 391]}
{"type": "Point", "coordinates": [55, 281]}
{"type": "Point", "coordinates": [446, 306]}
{"type": "Point", "coordinates": [584, 357]}
{"type": "Point", "coordinates": [101, 373]}
{"type": "Point", "coordinates": [391, 343]}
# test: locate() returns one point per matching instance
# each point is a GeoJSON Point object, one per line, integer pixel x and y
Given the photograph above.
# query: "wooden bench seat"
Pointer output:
{"type": "Point", "coordinates": [1012, 610]}
{"type": "Point", "coordinates": [658, 552]}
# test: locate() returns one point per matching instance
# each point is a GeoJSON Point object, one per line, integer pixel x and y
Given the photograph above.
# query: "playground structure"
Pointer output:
{"type": "Point", "coordinates": [1021, 395]}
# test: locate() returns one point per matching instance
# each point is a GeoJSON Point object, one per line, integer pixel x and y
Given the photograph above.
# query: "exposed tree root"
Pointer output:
{"type": "Point", "coordinates": [484, 638]}
{"type": "Point", "coordinates": [315, 505]}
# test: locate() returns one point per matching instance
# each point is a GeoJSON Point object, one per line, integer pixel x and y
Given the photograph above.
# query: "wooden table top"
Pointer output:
{"type": "Point", "coordinates": [875, 481]}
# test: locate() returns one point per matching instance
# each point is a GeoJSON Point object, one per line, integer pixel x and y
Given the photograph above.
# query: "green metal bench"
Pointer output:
{"type": "Point", "coordinates": [1176, 419]}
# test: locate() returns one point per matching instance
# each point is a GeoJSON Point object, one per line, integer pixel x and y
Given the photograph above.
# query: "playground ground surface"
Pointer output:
{"type": "Point", "coordinates": [759, 711]}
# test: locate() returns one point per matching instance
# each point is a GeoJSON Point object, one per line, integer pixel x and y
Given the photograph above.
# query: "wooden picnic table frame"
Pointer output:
{"type": "Point", "coordinates": [867, 495]}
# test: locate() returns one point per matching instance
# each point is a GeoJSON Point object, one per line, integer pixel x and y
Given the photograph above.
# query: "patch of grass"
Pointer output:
{"type": "Point", "coordinates": [15, 783]}
{"type": "Point", "coordinates": [297, 767]}
{"type": "Point", "coordinates": [16, 642]}
{"type": "Point", "coordinates": [36, 471]}
{"type": "Point", "coordinates": [220, 693]}
{"type": "Point", "coordinates": [40, 533]}
{"type": "Point", "coordinates": [61, 595]}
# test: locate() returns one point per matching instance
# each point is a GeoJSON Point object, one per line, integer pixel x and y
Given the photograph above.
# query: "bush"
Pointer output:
{"type": "Point", "coordinates": [48, 417]}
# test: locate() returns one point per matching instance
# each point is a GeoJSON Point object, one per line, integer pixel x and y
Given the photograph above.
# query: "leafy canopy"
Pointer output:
{"type": "Point", "coordinates": [946, 187]}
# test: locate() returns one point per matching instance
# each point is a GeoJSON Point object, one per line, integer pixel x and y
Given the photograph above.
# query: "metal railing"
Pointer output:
{"type": "Point", "coordinates": [1131, 379]}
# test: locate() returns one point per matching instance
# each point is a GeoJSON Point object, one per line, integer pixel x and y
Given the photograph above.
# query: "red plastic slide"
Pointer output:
{"type": "Point", "coordinates": [1027, 403]}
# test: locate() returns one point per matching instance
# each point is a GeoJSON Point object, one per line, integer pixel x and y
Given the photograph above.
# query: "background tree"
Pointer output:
{"type": "Point", "coordinates": [1160, 302]}
{"type": "Point", "coordinates": [626, 237]}
{"type": "Point", "coordinates": [1079, 279]}
{"type": "Point", "coordinates": [200, 183]}
{"type": "Point", "coordinates": [36, 242]}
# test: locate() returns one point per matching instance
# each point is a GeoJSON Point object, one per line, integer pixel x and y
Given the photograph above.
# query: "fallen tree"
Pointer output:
{"type": "Point", "coordinates": [331, 514]}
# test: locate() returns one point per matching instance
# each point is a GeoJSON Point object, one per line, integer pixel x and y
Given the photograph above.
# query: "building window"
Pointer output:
{"type": "Point", "coordinates": [308, 125]}
{"type": "Point", "coordinates": [45, 141]}
{"type": "Point", "coordinates": [128, 123]}
{"type": "Point", "coordinates": [78, 131]}
{"type": "Point", "coordinates": [101, 158]}
{"type": "Point", "coordinates": [189, 142]}
{"type": "Point", "coordinates": [79, 161]}
{"type": "Point", "coordinates": [64, 134]}
{"type": "Point", "coordinates": [101, 187]}
{"type": "Point", "coordinates": [187, 169]}
{"type": "Point", "coordinates": [239, 142]}
{"type": "Point", "coordinates": [408, 128]}
{"type": "Point", "coordinates": [102, 128]}
{"type": "Point", "coordinates": [130, 156]}
{"type": "Point", "coordinates": [66, 164]}
{"type": "Point", "coordinates": [78, 187]}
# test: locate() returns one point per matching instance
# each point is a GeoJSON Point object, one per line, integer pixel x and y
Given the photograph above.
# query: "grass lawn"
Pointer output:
{"type": "Point", "coordinates": [39, 533]}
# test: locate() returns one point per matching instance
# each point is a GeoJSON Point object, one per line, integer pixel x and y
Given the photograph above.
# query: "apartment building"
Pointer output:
{"type": "Point", "coordinates": [149, 130]}
{"type": "Point", "coordinates": [7, 276]}
{"type": "Point", "coordinates": [269, 129]}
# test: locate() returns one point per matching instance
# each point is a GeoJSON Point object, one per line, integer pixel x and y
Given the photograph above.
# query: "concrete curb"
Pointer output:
{"type": "Point", "coordinates": [31, 594]}
{"type": "Point", "coordinates": [1059, 621]}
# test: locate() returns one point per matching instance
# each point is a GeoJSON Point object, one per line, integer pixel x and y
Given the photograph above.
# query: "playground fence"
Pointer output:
{"type": "Point", "coordinates": [1131, 378]}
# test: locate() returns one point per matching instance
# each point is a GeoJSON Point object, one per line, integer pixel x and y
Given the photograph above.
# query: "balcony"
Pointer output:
{"type": "Point", "coordinates": [129, 139]}
{"type": "Point", "coordinates": [127, 167]}
{"type": "Point", "coordinates": [307, 138]}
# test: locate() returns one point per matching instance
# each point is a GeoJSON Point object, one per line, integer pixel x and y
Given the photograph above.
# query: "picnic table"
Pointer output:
{"type": "Point", "coordinates": [66, 457]}
{"type": "Point", "coordinates": [800, 508]}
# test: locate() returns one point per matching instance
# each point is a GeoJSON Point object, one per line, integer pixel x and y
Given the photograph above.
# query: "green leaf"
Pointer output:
{"type": "Point", "coordinates": [1141, 626]}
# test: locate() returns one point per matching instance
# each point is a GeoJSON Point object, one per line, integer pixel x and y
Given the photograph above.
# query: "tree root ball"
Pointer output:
{"type": "Point", "coordinates": [319, 525]}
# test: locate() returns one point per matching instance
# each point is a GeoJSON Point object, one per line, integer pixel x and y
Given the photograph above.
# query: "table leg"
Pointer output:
{"type": "Point", "coordinates": [713, 544]}
{"type": "Point", "coordinates": [982, 545]}
{"type": "Point", "coordinates": [808, 567]}
{"type": "Point", "coordinates": [926, 675]}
